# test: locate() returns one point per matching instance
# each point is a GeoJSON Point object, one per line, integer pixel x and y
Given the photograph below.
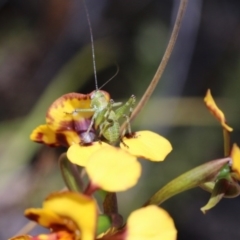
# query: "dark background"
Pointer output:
{"type": "Point", "coordinates": [45, 52]}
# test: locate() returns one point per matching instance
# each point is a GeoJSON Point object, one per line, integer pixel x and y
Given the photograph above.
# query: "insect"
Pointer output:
{"type": "Point", "coordinates": [105, 119]}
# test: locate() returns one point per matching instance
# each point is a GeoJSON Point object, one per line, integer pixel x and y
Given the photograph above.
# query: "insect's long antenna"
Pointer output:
{"type": "Point", "coordinates": [92, 45]}
{"type": "Point", "coordinates": [111, 77]}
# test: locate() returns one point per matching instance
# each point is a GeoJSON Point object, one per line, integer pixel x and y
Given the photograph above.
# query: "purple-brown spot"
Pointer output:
{"type": "Point", "coordinates": [32, 216]}
{"type": "Point", "coordinates": [62, 140]}
{"type": "Point", "coordinates": [39, 137]}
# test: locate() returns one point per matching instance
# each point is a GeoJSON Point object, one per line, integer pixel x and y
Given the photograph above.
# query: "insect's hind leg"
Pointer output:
{"type": "Point", "coordinates": [128, 127]}
{"type": "Point", "coordinates": [105, 126]}
{"type": "Point", "coordinates": [126, 109]}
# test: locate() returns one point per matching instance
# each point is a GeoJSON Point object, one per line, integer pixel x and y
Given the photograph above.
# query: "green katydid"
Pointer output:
{"type": "Point", "coordinates": [104, 117]}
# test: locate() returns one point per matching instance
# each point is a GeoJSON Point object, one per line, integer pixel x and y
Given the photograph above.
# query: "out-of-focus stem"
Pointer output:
{"type": "Point", "coordinates": [226, 142]}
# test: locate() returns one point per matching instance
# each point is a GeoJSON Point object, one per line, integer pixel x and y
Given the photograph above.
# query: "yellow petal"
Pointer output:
{"type": "Point", "coordinates": [48, 218]}
{"type": "Point", "coordinates": [148, 145]}
{"type": "Point", "coordinates": [61, 114]}
{"type": "Point", "coordinates": [43, 134]}
{"type": "Point", "coordinates": [113, 169]}
{"type": "Point", "coordinates": [235, 155]}
{"type": "Point", "coordinates": [68, 138]}
{"type": "Point", "coordinates": [150, 223]}
{"type": "Point", "coordinates": [79, 208]}
{"type": "Point", "coordinates": [80, 155]}
{"type": "Point", "coordinates": [211, 105]}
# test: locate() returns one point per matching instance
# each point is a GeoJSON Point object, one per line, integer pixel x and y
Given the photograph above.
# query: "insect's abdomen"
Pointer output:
{"type": "Point", "coordinates": [112, 128]}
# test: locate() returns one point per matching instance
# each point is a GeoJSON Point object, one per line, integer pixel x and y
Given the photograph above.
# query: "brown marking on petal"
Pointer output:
{"type": "Point", "coordinates": [86, 144]}
{"type": "Point", "coordinates": [69, 96]}
{"type": "Point", "coordinates": [39, 137]}
{"type": "Point", "coordinates": [32, 216]}
{"type": "Point", "coordinates": [131, 135]}
{"type": "Point", "coordinates": [62, 112]}
{"type": "Point", "coordinates": [58, 227]}
{"type": "Point", "coordinates": [61, 138]}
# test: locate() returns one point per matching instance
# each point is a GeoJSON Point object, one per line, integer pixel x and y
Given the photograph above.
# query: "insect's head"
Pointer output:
{"type": "Point", "coordinates": [99, 98]}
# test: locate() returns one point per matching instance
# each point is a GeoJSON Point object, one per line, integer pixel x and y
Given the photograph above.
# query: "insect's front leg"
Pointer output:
{"type": "Point", "coordinates": [83, 110]}
{"type": "Point", "coordinates": [92, 120]}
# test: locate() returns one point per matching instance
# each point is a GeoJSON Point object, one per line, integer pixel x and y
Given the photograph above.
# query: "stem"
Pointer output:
{"type": "Point", "coordinates": [110, 204]}
{"type": "Point", "coordinates": [70, 174]}
{"type": "Point", "coordinates": [226, 142]}
{"type": "Point", "coordinates": [162, 65]}
{"type": "Point", "coordinates": [90, 189]}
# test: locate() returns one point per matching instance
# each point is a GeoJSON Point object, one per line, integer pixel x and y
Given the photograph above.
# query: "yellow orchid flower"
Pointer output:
{"type": "Point", "coordinates": [213, 108]}
{"type": "Point", "coordinates": [64, 125]}
{"type": "Point", "coordinates": [117, 169]}
{"type": "Point", "coordinates": [150, 223]}
{"type": "Point", "coordinates": [113, 169]}
{"type": "Point", "coordinates": [68, 215]}
{"type": "Point", "coordinates": [73, 216]}
{"type": "Point", "coordinates": [147, 223]}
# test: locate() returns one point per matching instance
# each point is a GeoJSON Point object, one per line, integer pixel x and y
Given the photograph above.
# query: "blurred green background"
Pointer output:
{"type": "Point", "coordinates": [45, 52]}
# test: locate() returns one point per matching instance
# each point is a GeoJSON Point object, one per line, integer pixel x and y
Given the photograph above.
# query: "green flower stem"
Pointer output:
{"type": "Point", "coordinates": [70, 174]}
{"type": "Point", "coordinates": [226, 142]}
{"type": "Point", "coordinates": [207, 172]}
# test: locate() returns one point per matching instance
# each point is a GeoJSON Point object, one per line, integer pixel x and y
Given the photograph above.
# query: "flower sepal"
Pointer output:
{"type": "Point", "coordinates": [207, 172]}
{"type": "Point", "coordinates": [222, 188]}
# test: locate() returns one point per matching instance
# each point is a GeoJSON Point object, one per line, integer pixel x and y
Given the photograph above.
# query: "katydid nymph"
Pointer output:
{"type": "Point", "coordinates": [105, 119]}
